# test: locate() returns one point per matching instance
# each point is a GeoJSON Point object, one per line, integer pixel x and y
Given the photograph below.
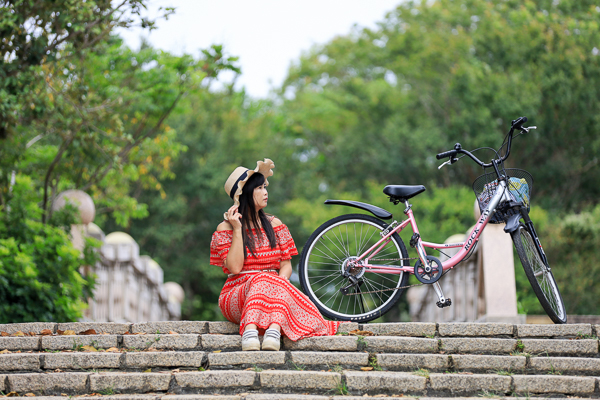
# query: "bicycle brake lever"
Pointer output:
{"type": "Point", "coordinates": [447, 162]}
{"type": "Point", "coordinates": [451, 160]}
{"type": "Point", "coordinates": [528, 128]}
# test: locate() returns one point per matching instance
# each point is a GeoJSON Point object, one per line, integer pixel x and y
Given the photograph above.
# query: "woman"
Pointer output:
{"type": "Point", "coordinates": [255, 250]}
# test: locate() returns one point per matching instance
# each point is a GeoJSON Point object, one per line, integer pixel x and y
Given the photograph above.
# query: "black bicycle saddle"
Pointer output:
{"type": "Point", "coordinates": [403, 192]}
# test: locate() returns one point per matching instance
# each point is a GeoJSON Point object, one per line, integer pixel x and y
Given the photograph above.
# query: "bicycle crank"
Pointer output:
{"type": "Point", "coordinates": [430, 273]}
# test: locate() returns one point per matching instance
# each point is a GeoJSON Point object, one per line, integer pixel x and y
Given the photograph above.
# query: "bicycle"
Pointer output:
{"type": "Point", "coordinates": [355, 267]}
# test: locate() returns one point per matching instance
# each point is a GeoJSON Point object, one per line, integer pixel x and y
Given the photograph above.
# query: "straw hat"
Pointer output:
{"type": "Point", "coordinates": [240, 175]}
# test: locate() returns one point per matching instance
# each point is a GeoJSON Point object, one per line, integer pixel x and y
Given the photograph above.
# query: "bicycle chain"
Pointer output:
{"type": "Point", "coordinates": [396, 288]}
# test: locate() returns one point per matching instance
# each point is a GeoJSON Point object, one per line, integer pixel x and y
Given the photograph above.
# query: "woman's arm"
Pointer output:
{"type": "Point", "coordinates": [235, 258]}
{"type": "Point", "coordinates": [285, 269]}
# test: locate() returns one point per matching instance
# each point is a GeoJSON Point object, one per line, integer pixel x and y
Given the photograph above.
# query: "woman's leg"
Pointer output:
{"type": "Point", "coordinates": [251, 326]}
{"type": "Point", "coordinates": [275, 327]}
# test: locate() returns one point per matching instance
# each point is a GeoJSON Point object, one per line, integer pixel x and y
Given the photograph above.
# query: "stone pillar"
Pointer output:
{"type": "Point", "coordinates": [498, 274]}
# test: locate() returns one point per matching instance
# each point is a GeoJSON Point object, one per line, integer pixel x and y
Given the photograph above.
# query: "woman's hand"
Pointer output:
{"type": "Point", "coordinates": [234, 218]}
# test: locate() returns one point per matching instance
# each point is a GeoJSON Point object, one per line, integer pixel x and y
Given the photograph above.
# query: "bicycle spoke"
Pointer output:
{"type": "Point", "coordinates": [323, 243]}
{"type": "Point", "coordinates": [332, 242]}
{"type": "Point", "coordinates": [324, 277]}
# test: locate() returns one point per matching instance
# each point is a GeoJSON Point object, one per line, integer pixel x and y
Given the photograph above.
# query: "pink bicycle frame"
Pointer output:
{"type": "Point", "coordinates": [466, 246]}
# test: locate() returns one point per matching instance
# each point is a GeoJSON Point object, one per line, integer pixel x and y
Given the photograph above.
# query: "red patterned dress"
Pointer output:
{"type": "Point", "coordinates": [263, 298]}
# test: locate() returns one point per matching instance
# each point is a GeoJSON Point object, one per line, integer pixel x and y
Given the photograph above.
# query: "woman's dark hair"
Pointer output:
{"type": "Point", "coordinates": [251, 219]}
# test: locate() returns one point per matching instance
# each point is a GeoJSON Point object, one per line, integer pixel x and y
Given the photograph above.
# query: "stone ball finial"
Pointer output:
{"type": "Point", "coordinates": [175, 291]}
{"type": "Point", "coordinates": [79, 199]}
{"type": "Point", "coordinates": [118, 238]}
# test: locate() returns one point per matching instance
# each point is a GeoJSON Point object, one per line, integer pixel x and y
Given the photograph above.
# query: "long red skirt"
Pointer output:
{"type": "Point", "coordinates": [264, 298]}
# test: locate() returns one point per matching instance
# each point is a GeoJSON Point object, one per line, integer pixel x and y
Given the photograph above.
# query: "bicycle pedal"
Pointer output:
{"type": "Point", "coordinates": [446, 303]}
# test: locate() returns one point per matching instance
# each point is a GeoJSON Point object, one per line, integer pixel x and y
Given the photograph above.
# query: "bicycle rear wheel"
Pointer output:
{"type": "Point", "coordinates": [324, 264]}
{"type": "Point", "coordinates": [539, 275]}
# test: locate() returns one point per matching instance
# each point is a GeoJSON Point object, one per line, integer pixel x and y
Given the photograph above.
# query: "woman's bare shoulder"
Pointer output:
{"type": "Point", "coordinates": [224, 226]}
{"type": "Point", "coordinates": [276, 222]}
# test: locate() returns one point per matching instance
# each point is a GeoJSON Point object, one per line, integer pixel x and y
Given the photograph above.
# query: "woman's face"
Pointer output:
{"type": "Point", "coordinates": [261, 197]}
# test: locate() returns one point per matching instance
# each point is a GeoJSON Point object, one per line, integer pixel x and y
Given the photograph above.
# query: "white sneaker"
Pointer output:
{"type": "Point", "coordinates": [271, 340]}
{"type": "Point", "coordinates": [250, 340]}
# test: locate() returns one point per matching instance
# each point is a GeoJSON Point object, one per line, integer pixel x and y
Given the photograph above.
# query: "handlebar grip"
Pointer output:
{"type": "Point", "coordinates": [518, 123]}
{"type": "Point", "coordinates": [445, 154]}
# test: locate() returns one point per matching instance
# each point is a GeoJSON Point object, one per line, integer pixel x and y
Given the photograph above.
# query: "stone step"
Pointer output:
{"type": "Point", "coordinates": [202, 360]}
{"type": "Point", "coordinates": [297, 360]}
{"type": "Point", "coordinates": [310, 382]}
{"type": "Point", "coordinates": [587, 347]}
{"type": "Point", "coordinates": [580, 346]}
{"type": "Point", "coordinates": [255, 396]}
{"type": "Point", "coordinates": [412, 329]}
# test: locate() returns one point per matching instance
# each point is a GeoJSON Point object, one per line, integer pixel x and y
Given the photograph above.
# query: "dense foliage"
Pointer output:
{"type": "Point", "coordinates": [40, 276]}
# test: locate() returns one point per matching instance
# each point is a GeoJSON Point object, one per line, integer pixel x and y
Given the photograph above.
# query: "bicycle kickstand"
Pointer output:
{"type": "Point", "coordinates": [443, 302]}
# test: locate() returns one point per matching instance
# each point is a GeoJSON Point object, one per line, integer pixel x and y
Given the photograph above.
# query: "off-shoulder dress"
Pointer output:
{"type": "Point", "coordinates": [261, 297]}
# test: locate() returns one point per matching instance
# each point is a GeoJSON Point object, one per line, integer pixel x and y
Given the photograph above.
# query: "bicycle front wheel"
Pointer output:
{"type": "Point", "coordinates": [337, 284]}
{"type": "Point", "coordinates": [539, 275]}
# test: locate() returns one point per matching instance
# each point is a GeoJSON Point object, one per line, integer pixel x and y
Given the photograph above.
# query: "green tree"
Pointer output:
{"type": "Point", "coordinates": [34, 33]}
{"type": "Point", "coordinates": [436, 73]}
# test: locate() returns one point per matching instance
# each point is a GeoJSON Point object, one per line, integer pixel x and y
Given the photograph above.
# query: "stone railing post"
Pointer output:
{"type": "Point", "coordinates": [129, 287]}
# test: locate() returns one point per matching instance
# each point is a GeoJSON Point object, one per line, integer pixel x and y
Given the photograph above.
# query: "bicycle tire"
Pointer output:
{"type": "Point", "coordinates": [539, 275]}
{"type": "Point", "coordinates": [329, 247]}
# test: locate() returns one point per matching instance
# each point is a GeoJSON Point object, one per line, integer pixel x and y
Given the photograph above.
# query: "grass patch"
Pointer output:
{"type": "Point", "coordinates": [488, 394]}
{"type": "Point", "coordinates": [422, 372]}
{"type": "Point", "coordinates": [504, 372]}
{"type": "Point", "coordinates": [373, 363]}
{"type": "Point", "coordinates": [341, 389]}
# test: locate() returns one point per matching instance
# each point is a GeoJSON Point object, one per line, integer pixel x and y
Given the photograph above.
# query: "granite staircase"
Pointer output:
{"type": "Point", "coordinates": [202, 360]}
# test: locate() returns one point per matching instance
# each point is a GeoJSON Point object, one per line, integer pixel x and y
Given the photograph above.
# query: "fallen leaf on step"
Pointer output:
{"type": "Point", "coordinates": [59, 332]}
{"type": "Point", "coordinates": [366, 368]}
{"type": "Point", "coordinates": [217, 351]}
{"type": "Point", "coordinates": [29, 395]}
{"type": "Point", "coordinates": [112, 350]}
{"type": "Point", "coordinates": [4, 351]}
{"type": "Point", "coordinates": [140, 333]}
{"type": "Point", "coordinates": [358, 332]}
{"type": "Point", "coordinates": [12, 394]}
{"type": "Point", "coordinates": [18, 334]}
{"type": "Point", "coordinates": [173, 333]}
{"type": "Point", "coordinates": [4, 333]}
{"type": "Point", "coordinates": [175, 370]}
{"type": "Point", "coordinates": [69, 332]}
{"type": "Point", "coordinates": [148, 370]}
{"type": "Point", "coordinates": [89, 348]}
{"type": "Point", "coordinates": [46, 332]}
{"type": "Point", "coordinates": [88, 332]}
{"type": "Point", "coordinates": [58, 370]}
{"type": "Point", "coordinates": [31, 334]}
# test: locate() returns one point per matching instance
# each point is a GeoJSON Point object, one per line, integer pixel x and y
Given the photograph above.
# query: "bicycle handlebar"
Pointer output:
{"type": "Point", "coordinates": [445, 154]}
{"type": "Point", "coordinates": [515, 124]}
